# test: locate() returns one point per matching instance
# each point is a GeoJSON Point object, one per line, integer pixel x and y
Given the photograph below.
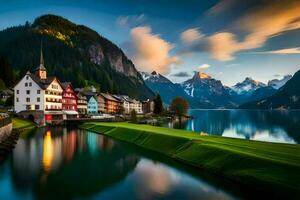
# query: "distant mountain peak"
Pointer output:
{"type": "Point", "coordinates": [201, 75]}
{"type": "Point", "coordinates": [154, 77]}
{"type": "Point", "coordinates": [278, 83]}
{"type": "Point", "coordinates": [248, 85]}
{"type": "Point", "coordinates": [154, 73]}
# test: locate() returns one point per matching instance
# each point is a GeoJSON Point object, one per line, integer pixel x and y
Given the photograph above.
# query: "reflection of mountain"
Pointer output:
{"type": "Point", "coordinates": [263, 125]}
{"type": "Point", "coordinates": [52, 161]}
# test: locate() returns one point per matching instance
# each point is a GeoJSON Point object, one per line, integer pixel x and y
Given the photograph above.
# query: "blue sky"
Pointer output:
{"type": "Point", "coordinates": [228, 39]}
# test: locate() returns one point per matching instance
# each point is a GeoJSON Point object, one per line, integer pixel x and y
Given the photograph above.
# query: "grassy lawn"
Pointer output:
{"type": "Point", "coordinates": [19, 123]}
{"type": "Point", "coordinates": [270, 166]}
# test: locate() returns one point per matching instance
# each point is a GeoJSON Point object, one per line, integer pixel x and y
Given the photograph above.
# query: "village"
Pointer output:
{"type": "Point", "coordinates": [46, 100]}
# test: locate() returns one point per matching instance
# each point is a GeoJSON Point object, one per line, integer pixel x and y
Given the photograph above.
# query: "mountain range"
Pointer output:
{"type": "Point", "coordinates": [286, 97]}
{"type": "Point", "coordinates": [73, 53]}
{"type": "Point", "coordinates": [203, 91]}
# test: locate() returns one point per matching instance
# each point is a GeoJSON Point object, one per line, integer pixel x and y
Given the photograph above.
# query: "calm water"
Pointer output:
{"type": "Point", "coordinates": [271, 126]}
{"type": "Point", "coordinates": [65, 163]}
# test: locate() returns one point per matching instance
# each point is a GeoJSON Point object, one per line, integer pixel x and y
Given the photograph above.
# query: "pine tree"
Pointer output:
{"type": "Point", "coordinates": [158, 105]}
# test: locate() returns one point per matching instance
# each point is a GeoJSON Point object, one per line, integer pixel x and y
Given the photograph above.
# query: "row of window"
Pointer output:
{"type": "Point", "coordinates": [38, 99]}
{"type": "Point", "coordinates": [69, 101]}
{"type": "Point", "coordinates": [68, 95]}
{"type": "Point", "coordinates": [28, 84]}
{"type": "Point", "coordinates": [36, 107]}
{"type": "Point", "coordinates": [68, 107]}
{"type": "Point", "coordinates": [53, 107]}
{"type": "Point", "coordinates": [53, 100]}
{"type": "Point", "coordinates": [28, 92]}
{"type": "Point", "coordinates": [53, 93]}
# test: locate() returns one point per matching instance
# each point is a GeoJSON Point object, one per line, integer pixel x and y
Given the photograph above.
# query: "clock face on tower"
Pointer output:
{"type": "Point", "coordinates": [43, 74]}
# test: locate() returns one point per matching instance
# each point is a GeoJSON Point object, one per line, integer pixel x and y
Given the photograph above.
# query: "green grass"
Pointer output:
{"type": "Point", "coordinates": [19, 123]}
{"type": "Point", "coordinates": [271, 166]}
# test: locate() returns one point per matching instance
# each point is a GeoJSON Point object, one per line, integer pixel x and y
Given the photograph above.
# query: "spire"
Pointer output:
{"type": "Point", "coordinates": [41, 70]}
{"type": "Point", "coordinates": [42, 64]}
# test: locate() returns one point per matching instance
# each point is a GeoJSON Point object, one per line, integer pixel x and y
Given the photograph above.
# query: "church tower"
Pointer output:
{"type": "Point", "coordinates": [41, 71]}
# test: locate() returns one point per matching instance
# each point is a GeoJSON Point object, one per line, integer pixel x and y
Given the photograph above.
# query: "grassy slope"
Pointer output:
{"type": "Point", "coordinates": [19, 123]}
{"type": "Point", "coordinates": [260, 164]}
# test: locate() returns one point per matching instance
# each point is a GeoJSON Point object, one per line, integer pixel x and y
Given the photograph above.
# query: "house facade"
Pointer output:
{"type": "Point", "coordinates": [81, 104]}
{"type": "Point", "coordinates": [69, 101]}
{"type": "Point", "coordinates": [112, 105]}
{"type": "Point", "coordinates": [92, 106]}
{"type": "Point", "coordinates": [101, 103]}
{"type": "Point", "coordinates": [148, 106]}
{"type": "Point", "coordinates": [53, 100]}
{"type": "Point", "coordinates": [137, 106]}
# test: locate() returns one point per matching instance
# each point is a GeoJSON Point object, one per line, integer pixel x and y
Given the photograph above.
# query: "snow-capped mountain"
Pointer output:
{"type": "Point", "coordinates": [204, 88]}
{"type": "Point", "coordinates": [203, 91]}
{"type": "Point", "coordinates": [278, 83]}
{"type": "Point", "coordinates": [154, 77]}
{"type": "Point", "coordinates": [248, 86]}
{"type": "Point", "coordinates": [162, 85]}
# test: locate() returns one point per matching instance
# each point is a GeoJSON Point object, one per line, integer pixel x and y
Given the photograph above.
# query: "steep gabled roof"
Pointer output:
{"type": "Point", "coordinates": [43, 83]}
{"type": "Point", "coordinates": [109, 97]}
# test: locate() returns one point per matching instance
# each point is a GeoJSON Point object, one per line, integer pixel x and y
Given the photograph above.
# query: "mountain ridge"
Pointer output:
{"type": "Point", "coordinates": [74, 53]}
{"type": "Point", "coordinates": [211, 92]}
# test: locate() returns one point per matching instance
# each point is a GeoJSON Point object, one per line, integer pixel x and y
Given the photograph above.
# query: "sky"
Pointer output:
{"type": "Point", "coordinates": [228, 39]}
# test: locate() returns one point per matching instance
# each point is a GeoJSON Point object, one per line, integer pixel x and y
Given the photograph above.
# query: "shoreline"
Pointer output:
{"type": "Point", "coordinates": [263, 166]}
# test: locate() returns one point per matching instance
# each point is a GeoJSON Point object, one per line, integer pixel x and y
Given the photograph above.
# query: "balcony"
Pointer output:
{"type": "Point", "coordinates": [53, 100]}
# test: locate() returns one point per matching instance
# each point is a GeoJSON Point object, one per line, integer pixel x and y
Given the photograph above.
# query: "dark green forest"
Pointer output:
{"type": "Point", "coordinates": [65, 49]}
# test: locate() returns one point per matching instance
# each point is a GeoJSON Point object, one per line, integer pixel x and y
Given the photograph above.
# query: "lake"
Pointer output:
{"type": "Point", "coordinates": [270, 126]}
{"type": "Point", "coordinates": [69, 163]}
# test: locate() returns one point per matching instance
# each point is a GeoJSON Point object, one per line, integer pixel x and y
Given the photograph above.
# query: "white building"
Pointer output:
{"type": "Point", "coordinates": [130, 104]}
{"type": "Point", "coordinates": [37, 92]}
{"type": "Point", "coordinates": [137, 106]}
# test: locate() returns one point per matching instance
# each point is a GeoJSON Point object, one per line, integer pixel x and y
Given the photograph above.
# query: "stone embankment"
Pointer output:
{"type": "Point", "coordinates": [8, 137]}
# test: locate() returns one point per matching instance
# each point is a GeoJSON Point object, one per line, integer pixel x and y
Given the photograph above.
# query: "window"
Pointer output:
{"type": "Point", "coordinates": [37, 107]}
{"type": "Point", "coordinates": [26, 84]}
{"type": "Point", "coordinates": [30, 84]}
{"type": "Point", "coordinates": [38, 91]}
{"type": "Point", "coordinates": [38, 99]}
{"type": "Point", "coordinates": [27, 77]}
{"type": "Point", "coordinates": [18, 91]}
{"type": "Point", "coordinates": [27, 99]}
{"type": "Point", "coordinates": [17, 99]}
{"type": "Point", "coordinates": [27, 91]}
{"type": "Point", "coordinates": [28, 107]}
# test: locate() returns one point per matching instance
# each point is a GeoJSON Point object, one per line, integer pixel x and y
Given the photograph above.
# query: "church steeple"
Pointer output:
{"type": "Point", "coordinates": [41, 71]}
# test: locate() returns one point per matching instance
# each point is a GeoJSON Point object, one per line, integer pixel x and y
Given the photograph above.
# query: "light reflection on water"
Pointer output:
{"type": "Point", "coordinates": [61, 163]}
{"type": "Point", "coordinates": [270, 126]}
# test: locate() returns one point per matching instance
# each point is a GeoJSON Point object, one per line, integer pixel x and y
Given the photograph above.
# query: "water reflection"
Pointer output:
{"type": "Point", "coordinates": [271, 126]}
{"type": "Point", "coordinates": [62, 163]}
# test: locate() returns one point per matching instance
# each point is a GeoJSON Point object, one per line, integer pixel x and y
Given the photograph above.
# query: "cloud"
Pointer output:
{"type": "Point", "coordinates": [191, 35]}
{"type": "Point", "coordinates": [282, 51]}
{"type": "Point", "coordinates": [181, 74]}
{"type": "Point", "coordinates": [204, 66]}
{"type": "Point", "coordinates": [261, 25]}
{"type": "Point", "coordinates": [130, 20]}
{"type": "Point", "coordinates": [251, 30]}
{"type": "Point", "coordinates": [151, 53]}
